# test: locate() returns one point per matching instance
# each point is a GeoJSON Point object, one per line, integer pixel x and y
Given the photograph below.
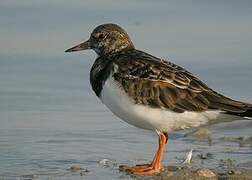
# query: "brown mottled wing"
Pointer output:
{"type": "Point", "coordinates": [151, 81]}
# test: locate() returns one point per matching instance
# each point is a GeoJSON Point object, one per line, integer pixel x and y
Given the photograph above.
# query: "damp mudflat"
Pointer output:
{"type": "Point", "coordinates": [52, 126]}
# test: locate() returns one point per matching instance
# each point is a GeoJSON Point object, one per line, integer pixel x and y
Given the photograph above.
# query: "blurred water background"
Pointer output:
{"type": "Point", "coordinates": [50, 119]}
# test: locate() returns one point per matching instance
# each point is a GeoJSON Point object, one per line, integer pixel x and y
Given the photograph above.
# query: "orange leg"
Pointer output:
{"type": "Point", "coordinates": [155, 166]}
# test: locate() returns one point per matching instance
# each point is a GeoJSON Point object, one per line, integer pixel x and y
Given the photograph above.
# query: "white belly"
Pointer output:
{"type": "Point", "coordinates": [150, 118]}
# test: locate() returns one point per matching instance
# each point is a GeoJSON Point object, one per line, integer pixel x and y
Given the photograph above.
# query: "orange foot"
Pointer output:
{"type": "Point", "coordinates": [153, 168]}
{"type": "Point", "coordinates": [143, 169]}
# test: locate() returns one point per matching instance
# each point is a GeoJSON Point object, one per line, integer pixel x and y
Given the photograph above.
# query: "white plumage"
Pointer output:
{"type": "Point", "coordinates": [145, 117]}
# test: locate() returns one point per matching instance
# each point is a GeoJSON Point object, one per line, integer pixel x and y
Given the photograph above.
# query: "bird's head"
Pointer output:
{"type": "Point", "coordinates": [106, 39]}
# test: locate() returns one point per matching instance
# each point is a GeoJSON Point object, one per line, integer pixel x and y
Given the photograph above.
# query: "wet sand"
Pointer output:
{"type": "Point", "coordinates": [179, 173]}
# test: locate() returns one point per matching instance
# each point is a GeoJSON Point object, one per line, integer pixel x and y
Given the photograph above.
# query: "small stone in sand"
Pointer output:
{"type": "Point", "coordinates": [205, 173]}
{"type": "Point", "coordinates": [75, 168]}
{"type": "Point", "coordinates": [167, 174]}
{"type": "Point", "coordinates": [105, 162]}
{"type": "Point", "coordinates": [234, 172]}
{"type": "Point", "coordinates": [201, 133]}
{"type": "Point", "coordinates": [242, 141]}
{"type": "Point", "coordinates": [172, 168]}
{"type": "Point", "coordinates": [204, 156]}
{"type": "Point", "coordinates": [83, 172]}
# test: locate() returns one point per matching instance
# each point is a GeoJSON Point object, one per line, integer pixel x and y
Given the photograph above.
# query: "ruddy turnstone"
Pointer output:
{"type": "Point", "coordinates": [151, 93]}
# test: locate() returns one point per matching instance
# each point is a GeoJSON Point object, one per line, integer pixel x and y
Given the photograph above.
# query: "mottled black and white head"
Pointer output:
{"type": "Point", "coordinates": [106, 39]}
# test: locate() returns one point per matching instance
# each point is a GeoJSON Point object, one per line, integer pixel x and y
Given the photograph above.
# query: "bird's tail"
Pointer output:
{"type": "Point", "coordinates": [247, 111]}
{"type": "Point", "coordinates": [230, 106]}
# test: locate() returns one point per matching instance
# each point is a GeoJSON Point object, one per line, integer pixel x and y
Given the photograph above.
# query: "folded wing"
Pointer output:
{"type": "Point", "coordinates": [152, 81]}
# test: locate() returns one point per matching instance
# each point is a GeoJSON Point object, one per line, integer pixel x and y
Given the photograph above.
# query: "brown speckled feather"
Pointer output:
{"type": "Point", "coordinates": [155, 82]}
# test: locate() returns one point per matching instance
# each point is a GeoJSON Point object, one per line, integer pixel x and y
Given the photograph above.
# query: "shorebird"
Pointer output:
{"type": "Point", "coordinates": [151, 93]}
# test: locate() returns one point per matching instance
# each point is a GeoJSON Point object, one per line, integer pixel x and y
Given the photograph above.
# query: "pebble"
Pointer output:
{"type": "Point", "coordinates": [75, 168]}
{"type": "Point", "coordinates": [205, 173]}
{"type": "Point", "coordinates": [104, 162]}
{"type": "Point", "coordinates": [201, 133]}
{"type": "Point", "coordinates": [205, 156]}
{"type": "Point", "coordinates": [234, 172]}
{"type": "Point", "coordinates": [172, 168]}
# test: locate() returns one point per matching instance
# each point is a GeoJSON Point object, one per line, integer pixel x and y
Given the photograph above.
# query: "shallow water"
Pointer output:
{"type": "Point", "coordinates": [50, 119]}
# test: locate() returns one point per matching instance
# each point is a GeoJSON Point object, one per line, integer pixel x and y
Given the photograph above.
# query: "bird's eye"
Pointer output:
{"type": "Point", "coordinates": [101, 36]}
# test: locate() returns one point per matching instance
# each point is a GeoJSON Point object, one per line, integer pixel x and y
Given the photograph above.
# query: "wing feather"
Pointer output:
{"type": "Point", "coordinates": [157, 83]}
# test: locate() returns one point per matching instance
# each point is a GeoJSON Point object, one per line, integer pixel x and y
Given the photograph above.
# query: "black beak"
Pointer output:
{"type": "Point", "coordinates": [80, 47]}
